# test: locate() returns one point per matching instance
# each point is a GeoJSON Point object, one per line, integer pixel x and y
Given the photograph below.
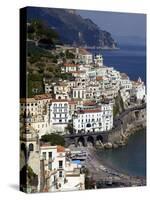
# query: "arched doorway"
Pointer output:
{"type": "Point", "coordinates": [81, 141]}
{"type": "Point", "coordinates": [99, 140]}
{"type": "Point", "coordinates": [90, 141]}
{"type": "Point", "coordinates": [23, 148]}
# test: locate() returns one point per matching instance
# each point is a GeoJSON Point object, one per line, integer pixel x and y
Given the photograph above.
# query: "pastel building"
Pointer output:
{"type": "Point", "coordinates": [61, 174]}
{"type": "Point", "coordinates": [28, 106]}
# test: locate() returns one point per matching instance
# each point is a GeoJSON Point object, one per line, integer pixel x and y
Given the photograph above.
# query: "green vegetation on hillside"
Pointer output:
{"type": "Point", "coordinates": [42, 59]}
{"type": "Point", "coordinates": [38, 30]}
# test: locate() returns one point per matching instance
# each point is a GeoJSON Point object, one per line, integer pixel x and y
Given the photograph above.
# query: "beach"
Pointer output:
{"type": "Point", "coordinates": [105, 175]}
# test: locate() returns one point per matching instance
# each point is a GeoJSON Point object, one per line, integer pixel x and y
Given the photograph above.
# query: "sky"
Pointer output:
{"type": "Point", "coordinates": [118, 24]}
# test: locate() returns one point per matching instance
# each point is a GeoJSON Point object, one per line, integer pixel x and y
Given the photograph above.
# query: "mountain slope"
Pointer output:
{"type": "Point", "coordinates": [71, 27]}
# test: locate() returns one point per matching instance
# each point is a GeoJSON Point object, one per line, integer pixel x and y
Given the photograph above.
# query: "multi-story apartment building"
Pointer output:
{"type": "Point", "coordinates": [59, 114]}
{"type": "Point", "coordinates": [94, 119]}
{"type": "Point", "coordinates": [28, 106]}
{"type": "Point", "coordinates": [69, 67]}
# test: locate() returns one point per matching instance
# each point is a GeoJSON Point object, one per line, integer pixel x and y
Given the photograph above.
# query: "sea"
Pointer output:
{"type": "Point", "coordinates": [130, 159]}
{"type": "Point", "coordinates": [129, 59]}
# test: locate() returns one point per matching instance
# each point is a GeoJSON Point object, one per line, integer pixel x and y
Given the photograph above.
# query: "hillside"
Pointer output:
{"type": "Point", "coordinates": [71, 27]}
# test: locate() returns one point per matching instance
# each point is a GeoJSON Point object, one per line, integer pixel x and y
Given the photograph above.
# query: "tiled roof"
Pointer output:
{"type": "Point", "coordinates": [99, 78]}
{"type": "Point", "coordinates": [84, 52]}
{"type": "Point", "coordinates": [89, 111]}
{"type": "Point", "coordinates": [70, 65]}
{"type": "Point", "coordinates": [42, 96]}
{"type": "Point", "coordinates": [60, 149]}
{"type": "Point", "coordinates": [72, 102]}
{"type": "Point", "coordinates": [89, 103]}
{"type": "Point", "coordinates": [59, 100]}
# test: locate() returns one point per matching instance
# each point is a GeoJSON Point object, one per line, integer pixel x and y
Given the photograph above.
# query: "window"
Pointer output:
{"type": "Point", "coordinates": [60, 174]}
{"type": "Point", "coordinates": [44, 155]}
{"type": "Point", "coordinates": [50, 155]}
{"type": "Point", "coordinates": [31, 147]}
{"type": "Point", "coordinates": [60, 164]}
{"type": "Point", "coordinates": [50, 166]}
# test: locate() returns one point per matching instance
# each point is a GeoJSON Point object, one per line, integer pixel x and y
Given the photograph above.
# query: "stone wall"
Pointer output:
{"type": "Point", "coordinates": [127, 124]}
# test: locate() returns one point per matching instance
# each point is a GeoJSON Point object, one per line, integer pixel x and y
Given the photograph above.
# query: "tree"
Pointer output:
{"type": "Point", "coordinates": [38, 30]}
{"type": "Point", "coordinates": [53, 139]}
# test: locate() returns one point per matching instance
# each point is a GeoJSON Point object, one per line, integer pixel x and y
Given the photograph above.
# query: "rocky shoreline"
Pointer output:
{"type": "Point", "coordinates": [131, 130]}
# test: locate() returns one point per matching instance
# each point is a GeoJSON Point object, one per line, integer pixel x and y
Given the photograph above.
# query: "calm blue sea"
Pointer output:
{"type": "Point", "coordinates": [131, 158]}
{"type": "Point", "coordinates": [128, 59]}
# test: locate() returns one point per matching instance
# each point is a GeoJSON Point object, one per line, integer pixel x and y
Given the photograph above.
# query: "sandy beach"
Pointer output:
{"type": "Point", "coordinates": [106, 176]}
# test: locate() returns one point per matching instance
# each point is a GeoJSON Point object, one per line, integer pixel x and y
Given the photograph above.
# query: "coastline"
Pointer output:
{"type": "Point", "coordinates": [104, 175]}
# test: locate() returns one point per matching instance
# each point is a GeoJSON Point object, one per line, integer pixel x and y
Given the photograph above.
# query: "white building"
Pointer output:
{"type": "Point", "coordinates": [138, 89]}
{"type": "Point", "coordinates": [94, 120]}
{"type": "Point", "coordinates": [98, 60]}
{"type": "Point", "coordinates": [85, 57]}
{"type": "Point", "coordinates": [59, 114]}
{"type": "Point", "coordinates": [48, 88]}
{"type": "Point", "coordinates": [69, 67]}
{"type": "Point", "coordinates": [125, 82]}
{"type": "Point", "coordinates": [79, 93]}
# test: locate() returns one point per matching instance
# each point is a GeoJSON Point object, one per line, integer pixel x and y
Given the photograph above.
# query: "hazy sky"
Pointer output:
{"type": "Point", "coordinates": [119, 24]}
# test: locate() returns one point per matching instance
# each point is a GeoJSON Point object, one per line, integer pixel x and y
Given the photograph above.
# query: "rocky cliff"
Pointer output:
{"type": "Point", "coordinates": [71, 27]}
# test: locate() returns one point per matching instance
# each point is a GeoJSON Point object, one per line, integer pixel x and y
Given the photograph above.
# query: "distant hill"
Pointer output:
{"type": "Point", "coordinates": [71, 27]}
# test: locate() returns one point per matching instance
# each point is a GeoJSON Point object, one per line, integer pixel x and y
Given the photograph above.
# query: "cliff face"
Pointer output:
{"type": "Point", "coordinates": [131, 122]}
{"type": "Point", "coordinates": [71, 27]}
